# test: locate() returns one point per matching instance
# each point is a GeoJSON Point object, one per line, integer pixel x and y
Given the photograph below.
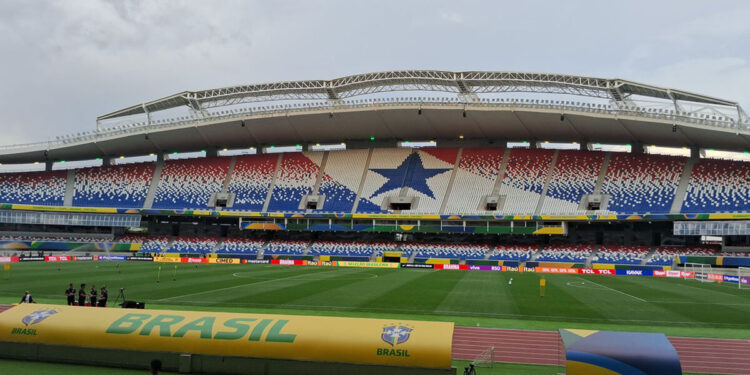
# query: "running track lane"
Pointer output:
{"type": "Point", "coordinates": [698, 355]}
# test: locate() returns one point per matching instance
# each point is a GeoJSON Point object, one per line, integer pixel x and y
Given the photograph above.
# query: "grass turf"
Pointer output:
{"type": "Point", "coordinates": [673, 306]}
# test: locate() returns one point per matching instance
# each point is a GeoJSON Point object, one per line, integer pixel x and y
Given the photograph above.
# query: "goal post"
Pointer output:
{"type": "Point", "coordinates": [487, 358]}
{"type": "Point", "coordinates": [700, 271]}
{"type": "Point", "coordinates": [743, 276]}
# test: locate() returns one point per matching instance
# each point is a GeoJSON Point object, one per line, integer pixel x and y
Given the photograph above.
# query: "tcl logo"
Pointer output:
{"type": "Point", "coordinates": [587, 271]}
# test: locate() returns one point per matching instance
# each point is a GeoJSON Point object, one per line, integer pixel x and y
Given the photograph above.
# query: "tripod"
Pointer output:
{"type": "Point", "coordinates": [120, 296]}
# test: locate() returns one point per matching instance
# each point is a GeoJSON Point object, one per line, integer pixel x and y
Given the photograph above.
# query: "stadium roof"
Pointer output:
{"type": "Point", "coordinates": [478, 105]}
{"type": "Point", "coordinates": [409, 80]}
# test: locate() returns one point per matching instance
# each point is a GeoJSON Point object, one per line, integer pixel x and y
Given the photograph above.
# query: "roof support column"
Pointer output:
{"type": "Point", "coordinates": [148, 114]}
{"type": "Point", "coordinates": [48, 165]}
{"type": "Point", "coordinates": [695, 152]}
{"type": "Point", "coordinates": [636, 148]}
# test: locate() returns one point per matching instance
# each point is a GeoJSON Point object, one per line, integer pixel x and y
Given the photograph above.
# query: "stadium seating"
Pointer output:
{"type": "Point", "coordinates": [574, 175]}
{"type": "Point", "coordinates": [155, 244]}
{"type": "Point", "coordinates": [251, 179]}
{"type": "Point", "coordinates": [295, 179]}
{"type": "Point", "coordinates": [339, 184]}
{"type": "Point", "coordinates": [286, 247]}
{"type": "Point", "coordinates": [376, 186]}
{"type": "Point", "coordinates": [642, 183]}
{"type": "Point", "coordinates": [186, 184]}
{"type": "Point", "coordinates": [665, 255]}
{"type": "Point", "coordinates": [428, 178]}
{"type": "Point", "coordinates": [718, 186]}
{"type": "Point", "coordinates": [475, 178]}
{"type": "Point", "coordinates": [735, 254]}
{"type": "Point", "coordinates": [247, 246]}
{"type": "Point", "coordinates": [41, 238]}
{"type": "Point", "coordinates": [192, 245]}
{"type": "Point", "coordinates": [565, 253]}
{"type": "Point", "coordinates": [620, 254]}
{"type": "Point", "coordinates": [519, 253]}
{"type": "Point", "coordinates": [42, 188]}
{"type": "Point", "coordinates": [351, 248]}
{"type": "Point", "coordinates": [524, 179]}
{"type": "Point", "coordinates": [446, 251]}
{"type": "Point", "coordinates": [122, 186]}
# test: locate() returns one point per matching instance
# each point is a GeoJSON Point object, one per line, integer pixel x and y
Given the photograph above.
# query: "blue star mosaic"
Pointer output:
{"type": "Point", "coordinates": [413, 169]}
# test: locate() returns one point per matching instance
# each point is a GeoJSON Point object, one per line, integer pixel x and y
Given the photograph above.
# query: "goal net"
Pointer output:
{"type": "Point", "coordinates": [487, 358]}
{"type": "Point", "coordinates": [699, 270]}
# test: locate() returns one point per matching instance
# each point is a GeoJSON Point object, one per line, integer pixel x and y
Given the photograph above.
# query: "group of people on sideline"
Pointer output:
{"type": "Point", "coordinates": [97, 298]}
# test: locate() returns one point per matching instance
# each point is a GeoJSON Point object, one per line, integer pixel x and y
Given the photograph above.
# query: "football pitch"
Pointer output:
{"type": "Point", "coordinates": [674, 306]}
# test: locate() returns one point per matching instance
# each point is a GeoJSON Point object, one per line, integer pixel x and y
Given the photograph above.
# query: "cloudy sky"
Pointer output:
{"type": "Point", "coordinates": [65, 62]}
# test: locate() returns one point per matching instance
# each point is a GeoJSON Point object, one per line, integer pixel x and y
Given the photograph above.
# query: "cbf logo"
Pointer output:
{"type": "Point", "coordinates": [394, 335]}
{"type": "Point", "coordinates": [37, 316]}
{"type": "Point", "coordinates": [33, 318]}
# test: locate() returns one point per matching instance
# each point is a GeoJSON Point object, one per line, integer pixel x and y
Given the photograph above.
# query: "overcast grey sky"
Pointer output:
{"type": "Point", "coordinates": [65, 62]}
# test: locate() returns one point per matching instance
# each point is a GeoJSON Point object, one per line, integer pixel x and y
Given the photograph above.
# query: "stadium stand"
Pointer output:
{"type": "Point", "coordinates": [295, 179]}
{"type": "Point", "coordinates": [192, 245]}
{"type": "Point", "coordinates": [251, 179]}
{"type": "Point", "coordinates": [286, 247]}
{"type": "Point", "coordinates": [351, 248]}
{"type": "Point", "coordinates": [524, 179]}
{"type": "Point", "coordinates": [574, 175]}
{"type": "Point", "coordinates": [189, 183]}
{"type": "Point", "coordinates": [155, 244]}
{"type": "Point", "coordinates": [642, 183]}
{"type": "Point", "coordinates": [246, 246]}
{"type": "Point", "coordinates": [43, 188]}
{"type": "Point", "coordinates": [520, 253]}
{"type": "Point", "coordinates": [565, 253]}
{"type": "Point", "coordinates": [428, 178]}
{"type": "Point", "coordinates": [718, 186]}
{"type": "Point", "coordinates": [665, 255]}
{"type": "Point", "coordinates": [377, 186]}
{"type": "Point", "coordinates": [620, 254]}
{"type": "Point", "coordinates": [72, 238]}
{"type": "Point", "coordinates": [446, 251]}
{"type": "Point", "coordinates": [339, 184]}
{"type": "Point", "coordinates": [475, 178]}
{"type": "Point", "coordinates": [121, 186]}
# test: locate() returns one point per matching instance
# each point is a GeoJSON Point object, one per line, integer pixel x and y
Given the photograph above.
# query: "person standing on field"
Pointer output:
{"type": "Point", "coordinates": [92, 296]}
{"type": "Point", "coordinates": [71, 294]}
{"type": "Point", "coordinates": [82, 295]}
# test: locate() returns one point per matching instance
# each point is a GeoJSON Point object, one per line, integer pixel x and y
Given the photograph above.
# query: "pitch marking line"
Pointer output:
{"type": "Point", "coordinates": [612, 289]}
{"type": "Point", "coordinates": [232, 287]}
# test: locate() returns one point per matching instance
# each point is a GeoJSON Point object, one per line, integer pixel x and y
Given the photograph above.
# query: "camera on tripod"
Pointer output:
{"type": "Point", "coordinates": [129, 304]}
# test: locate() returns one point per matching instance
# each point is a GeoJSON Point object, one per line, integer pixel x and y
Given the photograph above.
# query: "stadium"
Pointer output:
{"type": "Point", "coordinates": [511, 215]}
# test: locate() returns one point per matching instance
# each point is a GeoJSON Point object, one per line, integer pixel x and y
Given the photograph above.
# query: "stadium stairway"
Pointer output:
{"type": "Point", "coordinates": [412, 256]}
{"type": "Point", "coordinates": [602, 173]}
{"type": "Point", "coordinates": [316, 186]}
{"type": "Point", "coordinates": [362, 181]}
{"type": "Point", "coordinates": [70, 184]}
{"type": "Point", "coordinates": [450, 182]}
{"type": "Point", "coordinates": [217, 246]}
{"type": "Point", "coordinates": [648, 256]}
{"type": "Point", "coordinates": [545, 187]}
{"type": "Point", "coordinates": [592, 255]}
{"type": "Point", "coordinates": [501, 173]}
{"type": "Point", "coordinates": [680, 193]}
{"type": "Point", "coordinates": [277, 171]}
{"type": "Point", "coordinates": [154, 185]}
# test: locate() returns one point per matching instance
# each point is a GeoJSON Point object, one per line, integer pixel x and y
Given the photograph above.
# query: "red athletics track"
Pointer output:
{"type": "Point", "coordinates": [718, 356]}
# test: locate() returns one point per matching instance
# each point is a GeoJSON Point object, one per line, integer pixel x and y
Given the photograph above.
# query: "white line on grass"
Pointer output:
{"type": "Point", "coordinates": [231, 287]}
{"type": "Point", "coordinates": [614, 290]}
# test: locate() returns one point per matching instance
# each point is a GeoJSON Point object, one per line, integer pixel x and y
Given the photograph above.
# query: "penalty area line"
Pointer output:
{"type": "Point", "coordinates": [614, 290]}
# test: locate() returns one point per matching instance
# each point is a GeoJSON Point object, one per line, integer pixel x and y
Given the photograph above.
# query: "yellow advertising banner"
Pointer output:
{"type": "Point", "coordinates": [367, 264]}
{"type": "Point", "coordinates": [309, 338]}
{"type": "Point", "coordinates": [168, 259]}
{"type": "Point", "coordinates": [224, 260]}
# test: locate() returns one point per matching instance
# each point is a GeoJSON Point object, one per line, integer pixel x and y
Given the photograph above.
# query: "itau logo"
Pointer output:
{"type": "Point", "coordinates": [37, 316]}
{"type": "Point", "coordinates": [396, 334]}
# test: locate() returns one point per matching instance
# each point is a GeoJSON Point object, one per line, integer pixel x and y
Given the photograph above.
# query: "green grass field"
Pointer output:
{"type": "Point", "coordinates": [673, 306]}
